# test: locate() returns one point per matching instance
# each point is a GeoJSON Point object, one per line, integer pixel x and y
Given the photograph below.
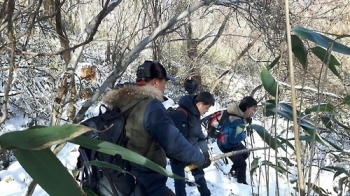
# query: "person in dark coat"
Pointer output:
{"type": "Point", "coordinates": [231, 139]}
{"type": "Point", "coordinates": [150, 129]}
{"type": "Point", "coordinates": [187, 119]}
{"type": "Point", "coordinates": [191, 85]}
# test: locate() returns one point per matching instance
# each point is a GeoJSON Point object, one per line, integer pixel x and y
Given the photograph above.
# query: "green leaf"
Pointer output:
{"type": "Point", "coordinates": [299, 51]}
{"type": "Point", "coordinates": [346, 99]}
{"type": "Point", "coordinates": [311, 130]}
{"type": "Point", "coordinates": [273, 63]}
{"type": "Point", "coordinates": [278, 168]}
{"type": "Point", "coordinates": [113, 149]}
{"type": "Point", "coordinates": [287, 161]}
{"type": "Point", "coordinates": [254, 165]}
{"type": "Point", "coordinates": [265, 135]}
{"type": "Point", "coordinates": [89, 192]}
{"type": "Point", "coordinates": [283, 140]}
{"type": "Point", "coordinates": [320, 191]}
{"type": "Point", "coordinates": [47, 170]}
{"type": "Point", "coordinates": [269, 104]}
{"type": "Point", "coordinates": [322, 55]}
{"type": "Point", "coordinates": [339, 170]}
{"type": "Point", "coordinates": [268, 82]}
{"type": "Point", "coordinates": [320, 39]}
{"type": "Point", "coordinates": [323, 107]}
{"type": "Point", "coordinates": [36, 138]}
{"type": "Point", "coordinates": [327, 121]}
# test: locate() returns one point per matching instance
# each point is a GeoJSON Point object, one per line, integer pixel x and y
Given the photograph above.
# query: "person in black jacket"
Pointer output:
{"type": "Point", "coordinates": [191, 85]}
{"type": "Point", "coordinates": [150, 129]}
{"type": "Point", "coordinates": [187, 120]}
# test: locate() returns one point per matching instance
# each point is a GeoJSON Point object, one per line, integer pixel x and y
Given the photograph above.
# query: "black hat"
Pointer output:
{"type": "Point", "coordinates": [150, 70]}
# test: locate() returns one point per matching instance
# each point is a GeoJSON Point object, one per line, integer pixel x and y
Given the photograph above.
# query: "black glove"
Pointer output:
{"type": "Point", "coordinates": [207, 161]}
{"type": "Point", "coordinates": [249, 120]}
{"type": "Point", "coordinates": [249, 131]}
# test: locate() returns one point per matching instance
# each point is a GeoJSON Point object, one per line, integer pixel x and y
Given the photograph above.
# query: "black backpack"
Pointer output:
{"type": "Point", "coordinates": [111, 128]}
{"type": "Point", "coordinates": [175, 114]}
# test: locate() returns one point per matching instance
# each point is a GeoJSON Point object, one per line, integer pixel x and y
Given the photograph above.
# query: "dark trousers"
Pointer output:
{"type": "Point", "coordinates": [239, 165]}
{"type": "Point", "coordinates": [180, 185]}
{"type": "Point", "coordinates": [154, 183]}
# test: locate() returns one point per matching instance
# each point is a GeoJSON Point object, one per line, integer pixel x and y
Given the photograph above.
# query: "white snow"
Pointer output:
{"type": "Point", "coordinates": [14, 180]}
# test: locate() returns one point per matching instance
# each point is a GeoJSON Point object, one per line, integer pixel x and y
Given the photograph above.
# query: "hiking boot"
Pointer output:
{"type": "Point", "coordinates": [232, 174]}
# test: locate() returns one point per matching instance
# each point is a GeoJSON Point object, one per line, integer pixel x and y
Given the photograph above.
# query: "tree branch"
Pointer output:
{"type": "Point", "coordinates": [133, 54]}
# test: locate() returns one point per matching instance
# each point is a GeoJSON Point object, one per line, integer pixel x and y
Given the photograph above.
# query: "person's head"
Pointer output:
{"type": "Point", "coordinates": [204, 101]}
{"type": "Point", "coordinates": [152, 73]}
{"type": "Point", "coordinates": [248, 105]}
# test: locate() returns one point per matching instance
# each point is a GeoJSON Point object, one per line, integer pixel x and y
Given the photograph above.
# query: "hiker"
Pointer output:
{"type": "Point", "coordinates": [187, 118]}
{"type": "Point", "coordinates": [149, 128]}
{"type": "Point", "coordinates": [191, 85]}
{"type": "Point", "coordinates": [231, 135]}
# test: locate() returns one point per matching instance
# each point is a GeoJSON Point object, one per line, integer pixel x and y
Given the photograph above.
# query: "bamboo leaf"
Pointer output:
{"type": "Point", "coordinates": [320, 39]}
{"type": "Point", "coordinates": [320, 191]}
{"type": "Point", "coordinates": [322, 55]}
{"type": "Point", "coordinates": [338, 170]}
{"type": "Point", "coordinates": [265, 135]}
{"type": "Point", "coordinates": [311, 130]}
{"type": "Point", "coordinates": [254, 165]}
{"type": "Point", "coordinates": [269, 104]}
{"type": "Point", "coordinates": [346, 99]}
{"type": "Point", "coordinates": [278, 168]}
{"type": "Point", "coordinates": [113, 149]}
{"type": "Point", "coordinates": [273, 63]}
{"type": "Point", "coordinates": [45, 168]}
{"type": "Point", "coordinates": [269, 82]}
{"type": "Point", "coordinates": [323, 107]}
{"type": "Point", "coordinates": [299, 51]}
{"type": "Point", "coordinates": [37, 138]}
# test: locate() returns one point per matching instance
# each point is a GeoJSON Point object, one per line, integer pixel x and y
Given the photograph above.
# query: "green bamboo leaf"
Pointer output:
{"type": "Point", "coordinates": [268, 105]}
{"type": "Point", "coordinates": [338, 170]}
{"type": "Point", "coordinates": [47, 170]}
{"type": "Point", "coordinates": [323, 107]}
{"type": "Point", "coordinates": [322, 55]}
{"type": "Point", "coordinates": [327, 121]}
{"type": "Point", "coordinates": [286, 160]}
{"type": "Point", "coordinates": [320, 191]}
{"type": "Point", "coordinates": [273, 63]}
{"type": "Point", "coordinates": [113, 149]}
{"type": "Point", "coordinates": [342, 181]}
{"type": "Point", "coordinates": [269, 82]}
{"type": "Point", "coordinates": [276, 167]}
{"type": "Point", "coordinates": [283, 140]}
{"type": "Point", "coordinates": [346, 99]}
{"type": "Point", "coordinates": [284, 114]}
{"type": "Point", "coordinates": [89, 192]}
{"type": "Point", "coordinates": [334, 145]}
{"type": "Point", "coordinates": [311, 130]}
{"type": "Point", "coordinates": [299, 51]}
{"type": "Point", "coordinates": [36, 138]}
{"type": "Point", "coordinates": [265, 135]}
{"type": "Point", "coordinates": [254, 165]}
{"type": "Point", "coordinates": [320, 39]}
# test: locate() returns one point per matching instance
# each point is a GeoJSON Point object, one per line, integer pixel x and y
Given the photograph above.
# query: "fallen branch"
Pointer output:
{"type": "Point", "coordinates": [228, 154]}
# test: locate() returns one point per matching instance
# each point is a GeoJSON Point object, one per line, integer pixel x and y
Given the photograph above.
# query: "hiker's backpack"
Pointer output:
{"type": "Point", "coordinates": [177, 113]}
{"type": "Point", "coordinates": [111, 128]}
{"type": "Point", "coordinates": [208, 121]}
{"type": "Point", "coordinates": [230, 133]}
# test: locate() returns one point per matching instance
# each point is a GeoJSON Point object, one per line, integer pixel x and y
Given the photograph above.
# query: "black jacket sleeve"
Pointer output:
{"type": "Point", "coordinates": [160, 126]}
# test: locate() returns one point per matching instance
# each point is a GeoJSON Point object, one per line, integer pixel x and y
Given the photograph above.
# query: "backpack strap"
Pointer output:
{"type": "Point", "coordinates": [183, 110]}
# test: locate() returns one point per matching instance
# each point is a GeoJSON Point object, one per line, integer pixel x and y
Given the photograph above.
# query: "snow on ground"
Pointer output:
{"type": "Point", "coordinates": [14, 180]}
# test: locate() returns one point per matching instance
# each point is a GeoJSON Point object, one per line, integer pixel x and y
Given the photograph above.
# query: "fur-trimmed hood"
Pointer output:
{"type": "Point", "coordinates": [235, 110]}
{"type": "Point", "coordinates": [124, 96]}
